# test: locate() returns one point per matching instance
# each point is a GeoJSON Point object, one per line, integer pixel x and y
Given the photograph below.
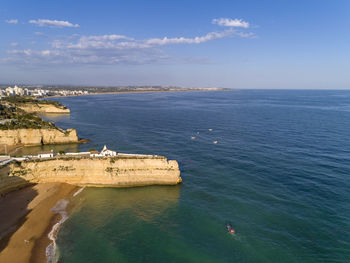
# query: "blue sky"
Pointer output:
{"type": "Point", "coordinates": [233, 44]}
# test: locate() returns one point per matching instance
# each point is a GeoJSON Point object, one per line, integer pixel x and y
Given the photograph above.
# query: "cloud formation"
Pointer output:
{"type": "Point", "coordinates": [120, 49]}
{"type": "Point", "coordinates": [12, 21]}
{"type": "Point", "coordinates": [230, 22]}
{"type": "Point", "coordinates": [52, 23]}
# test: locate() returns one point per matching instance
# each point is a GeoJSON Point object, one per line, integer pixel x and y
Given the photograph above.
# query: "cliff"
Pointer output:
{"type": "Point", "coordinates": [106, 171]}
{"type": "Point", "coordinates": [43, 108]}
{"type": "Point", "coordinates": [38, 136]}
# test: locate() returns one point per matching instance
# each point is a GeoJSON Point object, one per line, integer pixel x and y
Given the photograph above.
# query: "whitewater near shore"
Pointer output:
{"type": "Point", "coordinates": [26, 220]}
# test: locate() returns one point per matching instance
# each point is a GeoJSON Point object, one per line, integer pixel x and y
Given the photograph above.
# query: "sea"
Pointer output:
{"type": "Point", "coordinates": [275, 164]}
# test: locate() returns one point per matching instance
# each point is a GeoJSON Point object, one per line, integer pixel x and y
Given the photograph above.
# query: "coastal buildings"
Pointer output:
{"type": "Point", "coordinates": [104, 153]}
{"type": "Point", "coordinates": [39, 92]}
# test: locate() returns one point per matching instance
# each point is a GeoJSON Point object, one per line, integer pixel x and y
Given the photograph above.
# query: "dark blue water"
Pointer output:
{"type": "Point", "coordinates": [279, 174]}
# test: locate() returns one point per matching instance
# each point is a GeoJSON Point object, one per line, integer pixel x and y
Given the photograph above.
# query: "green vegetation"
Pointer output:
{"type": "Point", "coordinates": [22, 100]}
{"type": "Point", "coordinates": [15, 118]}
{"type": "Point", "coordinates": [22, 172]}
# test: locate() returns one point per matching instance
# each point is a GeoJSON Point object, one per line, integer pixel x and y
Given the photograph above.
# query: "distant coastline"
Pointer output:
{"type": "Point", "coordinates": [143, 91]}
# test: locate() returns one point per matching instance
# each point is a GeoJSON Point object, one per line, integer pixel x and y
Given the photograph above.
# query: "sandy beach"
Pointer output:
{"type": "Point", "coordinates": [26, 220]}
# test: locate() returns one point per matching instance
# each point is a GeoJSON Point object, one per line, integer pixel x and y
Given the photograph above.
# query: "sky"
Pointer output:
{"type": "Point", "coordinates": [260, 44]}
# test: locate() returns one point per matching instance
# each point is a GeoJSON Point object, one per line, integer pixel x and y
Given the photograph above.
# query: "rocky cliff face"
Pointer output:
{"type": "Point", "coordinates": [111, 171]}
{"type": "Point", "coordinates": [43, 108]}
{"type": "Point", "coordinates": [37, 136]}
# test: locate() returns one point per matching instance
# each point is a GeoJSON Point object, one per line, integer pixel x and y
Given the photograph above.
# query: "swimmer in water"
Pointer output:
{"type": "Point", "coordinates": [230, 229]}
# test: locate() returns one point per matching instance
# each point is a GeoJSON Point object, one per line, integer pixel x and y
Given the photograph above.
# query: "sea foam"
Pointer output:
{"type": "Point", "coordinates": [59, 208]}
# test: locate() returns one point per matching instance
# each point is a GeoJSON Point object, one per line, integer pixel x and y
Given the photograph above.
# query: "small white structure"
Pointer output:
{"type": "Point", "coordinates": [45, 155]}
{"type": "Point", "coordinates": [106, 152]}
{"type": "Point", "coordinates": [94, 154]}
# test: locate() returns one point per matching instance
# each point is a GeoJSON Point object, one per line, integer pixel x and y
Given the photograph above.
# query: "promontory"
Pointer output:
{"type": "Point", "coordinates": [21, 126]}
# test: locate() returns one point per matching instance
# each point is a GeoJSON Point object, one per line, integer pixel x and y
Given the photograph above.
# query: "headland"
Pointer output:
{"type": "Point", "coordinates": [21, 126]}
{"type": "Point", "coordinates": [31, 185]}
{"type": "Point", "coordinates": [44, 180]}
{"type": "Point", "coordinates": [104, 169]}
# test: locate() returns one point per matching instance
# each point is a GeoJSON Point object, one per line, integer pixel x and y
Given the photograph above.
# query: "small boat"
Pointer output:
{"type": "Point", "coordinates": [215, 142]}
{"type": "Point", "coordinates": [193, 138]}
{"type": "Point", "coordinates": [230, 229]}
{"type": "Point", "coordinates": [210, 130]}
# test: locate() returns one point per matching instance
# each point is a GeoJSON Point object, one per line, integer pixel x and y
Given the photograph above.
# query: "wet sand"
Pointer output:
{"type": "Point", "coordinates": [26, 220]}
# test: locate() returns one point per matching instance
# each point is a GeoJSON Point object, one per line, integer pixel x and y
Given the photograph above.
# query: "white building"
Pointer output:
{"type": "Point", "coordinates": [45, 154]}
{"type": "Point", "coordinates": [104, 153]}
{"type": "Point", "coordinates": [15, 91]}
{"type": "Point", "coordinates": [10, 92]}
{"type": "Point", "coordinates": [18, 91]}
{"type": "Point", "coordinates": [27, 92]}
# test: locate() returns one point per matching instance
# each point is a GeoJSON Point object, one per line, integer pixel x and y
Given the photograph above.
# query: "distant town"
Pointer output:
{"type": "Point", "coordinates": [39, 92]}
{"type": "Point", "coordinates": [62, 91]}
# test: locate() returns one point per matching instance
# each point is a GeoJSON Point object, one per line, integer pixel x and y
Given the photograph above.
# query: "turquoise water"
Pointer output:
{"type": "Point", "coordinates": [279, 174]}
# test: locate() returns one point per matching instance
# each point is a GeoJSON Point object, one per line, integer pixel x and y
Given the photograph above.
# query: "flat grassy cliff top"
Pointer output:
{"type": "Point", "coordinates": [19, 100]}
{"type": "Point", "coordinates": [12, 118]}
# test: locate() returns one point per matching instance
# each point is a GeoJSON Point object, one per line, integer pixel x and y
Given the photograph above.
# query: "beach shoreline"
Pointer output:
{"type": "Point", "coordinates": [30, 220]}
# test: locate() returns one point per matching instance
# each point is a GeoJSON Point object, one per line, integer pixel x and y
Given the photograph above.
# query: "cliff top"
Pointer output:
{"type": "Point", "coordinates": [17, 100]}
{"type": "Point", "coordinates": [111, 159]}
{"type": "Point", "coordinates": [13, 118]}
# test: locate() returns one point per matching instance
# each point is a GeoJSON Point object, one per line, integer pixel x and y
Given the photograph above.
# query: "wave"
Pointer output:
{"type": "Point", "coordinates": [59, 208]}
{"type": "Point", "coordinates": [79, 191]}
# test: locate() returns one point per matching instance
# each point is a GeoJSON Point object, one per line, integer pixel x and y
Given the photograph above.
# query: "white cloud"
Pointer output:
{"type": "Point", "coordinates": [183, 40]}
{"type": "Point", "coordinates": [230, 22]}
{"type": "Point", "coordinates": [123, 42]}
{"type": "Point", "coordinates": [107, 37]}
{"type": "Point", "coordinates": [14, 44]}
{"type": "Point", "coordinates": [12, 21]}
{"type": "Point", "coordinates": [52, 23]}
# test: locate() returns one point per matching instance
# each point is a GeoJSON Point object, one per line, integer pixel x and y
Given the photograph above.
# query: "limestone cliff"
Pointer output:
{"type": "Point", "coordinates": [106, 171]}
{"type": "Point", "coordinates": [43, 108]}
{"type": "Point", "coordinates": [37, 136]}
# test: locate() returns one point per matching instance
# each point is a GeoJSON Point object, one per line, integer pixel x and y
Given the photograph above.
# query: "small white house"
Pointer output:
{"type": "Point", "coordinates": [94, 154]}
{"type": "Point", "coordinates": [104, 153]}
{"type": "Point", "coordinates": [107, 152]}
{"type": "Point", "coordinates": [45, 155]}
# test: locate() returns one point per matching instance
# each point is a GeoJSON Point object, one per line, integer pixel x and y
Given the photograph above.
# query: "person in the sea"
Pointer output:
{"type": "Point", "coordinates": [230, 229]}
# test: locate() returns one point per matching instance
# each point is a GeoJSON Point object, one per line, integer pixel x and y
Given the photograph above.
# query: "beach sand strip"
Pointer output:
{"type": "Point", "coordinates": [26, 219]}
